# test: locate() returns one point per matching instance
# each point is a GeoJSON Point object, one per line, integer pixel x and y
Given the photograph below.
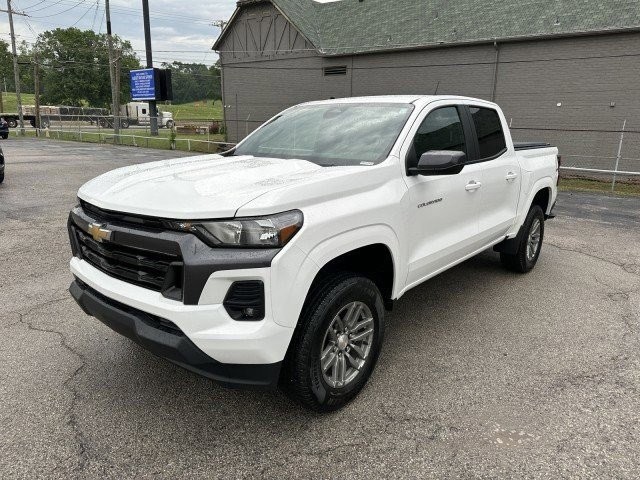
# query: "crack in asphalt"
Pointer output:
{"type": "Point", "coordinates": [68, 383]}
{"type": "Point", "coordinates": [624, 266]}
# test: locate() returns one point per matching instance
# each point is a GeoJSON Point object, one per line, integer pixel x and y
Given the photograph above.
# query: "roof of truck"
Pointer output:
{"type": "Point", "coordinates": [406, 99]}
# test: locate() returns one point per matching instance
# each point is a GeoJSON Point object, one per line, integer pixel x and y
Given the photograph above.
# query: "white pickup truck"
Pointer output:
{"type": "Point", "coordinates": [274, 263]}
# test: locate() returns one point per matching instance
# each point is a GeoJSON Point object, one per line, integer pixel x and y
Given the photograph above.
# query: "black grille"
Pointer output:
{"type": "Point", "coordinates": [245, 300]}
{"type": "Point", "coordinates": [153, 270]}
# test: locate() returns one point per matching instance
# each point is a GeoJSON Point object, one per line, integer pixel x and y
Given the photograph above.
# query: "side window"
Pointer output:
{"type": "Point", "coordinates": [441, 130]}
{"type": "Point", "coordinates": [491, 139]}
{"type": "Point", "coordinates": [144, 111]}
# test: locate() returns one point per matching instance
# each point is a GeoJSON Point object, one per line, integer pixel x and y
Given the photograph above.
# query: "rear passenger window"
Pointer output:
{"type": "Point", "coordinates": [489, 130]}
{"type": "Point", "coordinates": [441, 130]}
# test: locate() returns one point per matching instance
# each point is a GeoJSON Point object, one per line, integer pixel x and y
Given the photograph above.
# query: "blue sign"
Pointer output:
{"type": "Point", "coordinates": [143, 84]}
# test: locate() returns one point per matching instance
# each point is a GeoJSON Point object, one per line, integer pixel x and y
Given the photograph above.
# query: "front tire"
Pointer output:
{"type": "Point", "coordinates": [530, 244]}
{"type": "Point", "coordinates": [336, 344]}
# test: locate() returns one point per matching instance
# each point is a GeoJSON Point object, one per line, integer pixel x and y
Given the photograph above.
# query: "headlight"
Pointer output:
{"type": "Point", "coordinates": [273, 231]}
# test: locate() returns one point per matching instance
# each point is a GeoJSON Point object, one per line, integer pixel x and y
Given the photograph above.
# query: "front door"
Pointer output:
{"type": "Point", "coordinates": [443, 209]}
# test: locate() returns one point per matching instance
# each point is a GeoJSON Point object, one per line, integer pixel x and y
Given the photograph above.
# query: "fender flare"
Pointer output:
{"type": "Point", "coordinates": [328, 250]}
{"type": "Point", "coordinates": [510, 245]}
{"type": "Point", "coordinates": [546, 182]}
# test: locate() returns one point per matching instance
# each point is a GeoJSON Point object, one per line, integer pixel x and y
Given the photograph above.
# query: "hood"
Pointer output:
{"type": "Point", "coordinates": [209, 186]}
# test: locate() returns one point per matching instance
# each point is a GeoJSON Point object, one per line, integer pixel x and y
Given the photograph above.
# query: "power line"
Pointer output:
{"type": "Point", "coordinates": [61, 12]}
{"type": "Point", "coordinates": [165, 15]}
{"type": "Point", "coordinates": [44, 8]}
{"type": "Point", "coordinates": [35, 5]}
{"type": "Point", "coordinates": [83, 15]}
{"type": "Point", "coordinates": [95, 15]}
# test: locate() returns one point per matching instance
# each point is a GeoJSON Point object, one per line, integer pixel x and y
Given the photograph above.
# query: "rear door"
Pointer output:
{"type": "Point", "coordinates": [443, 209]}
{"type": "Point", "coordinates": [501, 172]}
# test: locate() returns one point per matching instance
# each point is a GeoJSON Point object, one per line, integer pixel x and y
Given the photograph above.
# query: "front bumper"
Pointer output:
{"type": "Point", "coordinates": [166, 340]}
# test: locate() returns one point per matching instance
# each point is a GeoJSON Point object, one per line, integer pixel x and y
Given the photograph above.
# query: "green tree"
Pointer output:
{"type": "Point", "coordinates": [75, 67]}
{"type": "Point", "coordinates": [6, 66]}
{"type": "Point", "coordinates": [25, 65]}
{"type": "Point", "coordinates": [194, 81]}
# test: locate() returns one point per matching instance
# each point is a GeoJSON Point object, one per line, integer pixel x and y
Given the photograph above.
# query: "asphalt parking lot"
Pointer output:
{"type": "Point", "coordinates": [484, 373]}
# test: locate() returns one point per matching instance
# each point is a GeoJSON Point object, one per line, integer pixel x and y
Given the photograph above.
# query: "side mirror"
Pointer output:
{"type": "Point", "coordinates": [440, 162]}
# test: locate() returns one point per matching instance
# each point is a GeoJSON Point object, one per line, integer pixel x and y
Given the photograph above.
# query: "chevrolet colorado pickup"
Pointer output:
{"type": "Point", "coordinates": [273, 264]}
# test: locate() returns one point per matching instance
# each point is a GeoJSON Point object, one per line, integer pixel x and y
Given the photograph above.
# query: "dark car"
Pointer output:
{"type": "Point", "coordinates": [4, 128]}
{"type": "Point", "coordinates": [1, 165]}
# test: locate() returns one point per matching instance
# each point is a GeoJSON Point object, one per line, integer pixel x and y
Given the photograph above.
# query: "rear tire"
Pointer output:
{"type": "Point", "coordinates": [13, 123]}
{"type": "Point", "coordinates": [530, 244]}
{"type": "Point", "coordinates": [341, 328]}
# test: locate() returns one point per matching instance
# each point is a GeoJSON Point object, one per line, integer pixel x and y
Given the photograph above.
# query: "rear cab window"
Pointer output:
{"type": "Point", "coordinates": [491, 140]}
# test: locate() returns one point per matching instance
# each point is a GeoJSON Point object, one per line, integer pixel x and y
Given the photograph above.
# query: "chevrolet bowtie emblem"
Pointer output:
{"type": "Point", "coordinates": [98, 233]}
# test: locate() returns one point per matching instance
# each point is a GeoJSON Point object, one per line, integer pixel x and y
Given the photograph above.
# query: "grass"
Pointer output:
{"type": "Point", "coordinates": [590, 185]}
{"type": "Point", "coordinates": [10, 102]}
{"type": "Point", "coordinates": [203, 110]}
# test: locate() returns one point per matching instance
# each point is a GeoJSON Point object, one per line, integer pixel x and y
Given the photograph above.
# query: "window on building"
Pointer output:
{"type": "Point", "coordinates": [441, 130]}
{"type": "Point", "coordinates": [330, 71]}
{"type": "Point", "coordinates": [489, 130]}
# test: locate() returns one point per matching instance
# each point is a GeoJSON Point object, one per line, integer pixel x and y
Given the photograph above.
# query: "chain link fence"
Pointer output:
{"type": "Point", "coordinates": [197, 134]}
{"type": "Point", "coordinates": [602, 152]}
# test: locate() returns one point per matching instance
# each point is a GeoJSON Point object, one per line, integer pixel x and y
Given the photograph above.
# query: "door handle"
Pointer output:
{"type": "Point", "coordinates": [511, 176]}
{"type": "Point", "coordinates": [473, 186]}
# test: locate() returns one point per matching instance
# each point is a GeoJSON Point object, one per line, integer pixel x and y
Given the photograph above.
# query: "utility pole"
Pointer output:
{"type": "Point", "coordinates": [222, 24]}
{"type": "Point", "coordinates": [16, 71]}
{"type": "Point", "coordinates": [36, 77]}
{"type": "Point", "coordinates": [115, 105]}
{"type": "Point", "coordinates": [153, 107]}
{"type": "Point", "coordinates": [118, 59]}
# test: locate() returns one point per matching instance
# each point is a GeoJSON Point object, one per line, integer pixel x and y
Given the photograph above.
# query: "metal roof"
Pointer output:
{"type": "Point", "coordinates": [347, 27]}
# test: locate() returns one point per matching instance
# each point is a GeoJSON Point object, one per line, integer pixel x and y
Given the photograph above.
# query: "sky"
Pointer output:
{"type": "Point", "coordinates": [180, 29]}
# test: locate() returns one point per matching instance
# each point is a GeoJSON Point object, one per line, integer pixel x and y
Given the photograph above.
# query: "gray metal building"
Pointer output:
{"type": "Point", "coordinates": [564, 71]}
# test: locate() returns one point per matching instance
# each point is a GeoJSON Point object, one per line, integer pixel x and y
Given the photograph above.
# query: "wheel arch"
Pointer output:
{"type": "Point", "coordinates": [359, 261]}
{"type": "Point", "coordinates": [366, 250]}
{"type": "Point", "coordinates": [541, 195]}
{"type": "Point", "coordinates": [371, 251]}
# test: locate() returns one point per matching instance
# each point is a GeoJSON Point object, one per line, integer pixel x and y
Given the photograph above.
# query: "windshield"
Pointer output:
{"type": "Point", "coordinates": [333, 134]}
